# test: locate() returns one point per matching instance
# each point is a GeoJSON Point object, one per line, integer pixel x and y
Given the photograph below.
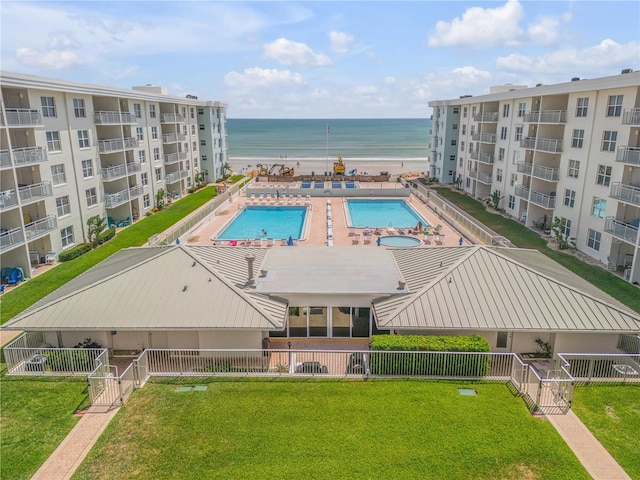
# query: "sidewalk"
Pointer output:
{"type": "Point", "coordinates": [64, 461]}
{"type": "Point", "coordinates": [593, 456]}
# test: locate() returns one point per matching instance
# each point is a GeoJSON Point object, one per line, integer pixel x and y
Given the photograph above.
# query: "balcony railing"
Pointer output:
{"type": "Point", "coordinates": [546, 173]}
{"type": "Point", "coordinates": [525, 167]}
{"type": "Point", "coordinates": [23, 117]}
{"type": "Point", "coordinates": [112, 200]}
{"type": "Point", "coordinates": [117, 144]}
{"type": "Point", "coordinates": [631, 117]}
{"type": "Point", "coordinates": [472, 174]}
{"type": "Point", "coordinates": [29, 155]}
{"type": "Point", "coordinates": [175, 176]}
{"type": "Point", "coordinates": [11, 238]}
{"type": "Point", "coordinates": [5, 159]}
{"type": "Point", "coordinates": [626, 193]}
{"type": "Point", "coordinates": [484, 137]}
{"type": "Point", "coordinates": [489, 158]}
{"type": "Point", "coordinates": [545, 201]}
{"type": "Point", "coordinates": [484, 178]}
{"type": "Point", "coordinates": [622, 230]}
{"type": "Point", "coordinates": [119, 171]}
{"type": "Point", "coordinates": [546, 116]}
{"type": "Point", "coordinates": [542, 144]}
{"type": "Point", "coordinates": [8, 199]}
{"type": "Point", "coordinates": [113, 118]}
{"type": "Point", "coordinates": [32, 193]}
{"type": "Point", "coordinates": [486, 117]}
{"type": "Point", "coordinates": [172, 118]}
{"type": "Point", "coordinates": [629, 155]}
{"type": "Point", "coordinates": [522, 192]}
{"type": "Point", "coordinates": [174, 157]}
{"type": "Point", "coordinates": [41, 227]}
{"type": "Point", "coordinates": [136, 191]}
{"type": "Point", "coordinates": [173, 137]}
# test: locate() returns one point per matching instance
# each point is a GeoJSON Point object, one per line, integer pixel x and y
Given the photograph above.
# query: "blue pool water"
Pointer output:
{"type": "Point", "coordinates": [318, 185]}
{"type": "Point", "coordinates": [336, 184]}
{"type": "Point", "coordinates": [305, 185]}
{"type": "Point", "coordinates": [399, 241]}
{"type": "Point", "coordinates": [382, 214]}
{"type": "Point", "coordinates": [350, 184]}
{"type": "Point", "coordinates": [278, 222]}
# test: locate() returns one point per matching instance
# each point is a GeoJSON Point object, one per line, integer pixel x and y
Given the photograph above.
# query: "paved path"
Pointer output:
{"type": "Point", "coordinates": [593, 456]}
{"type": "Point", "coordinates": [64, 461]}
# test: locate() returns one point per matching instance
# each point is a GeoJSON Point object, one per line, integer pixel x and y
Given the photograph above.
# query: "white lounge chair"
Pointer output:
{"type": "Point", "coordinates": [283, 242]}
{"type": "Point", "coordinates": [257, 242]}
{"type": "Point", "coordinates": [366, 239]}
{"type": "Point", "coordinates": [356, 239]}
{"type": "Point", "coordinates": [352, 231]}
{"type": "Point", "coordinates": [270, 242]}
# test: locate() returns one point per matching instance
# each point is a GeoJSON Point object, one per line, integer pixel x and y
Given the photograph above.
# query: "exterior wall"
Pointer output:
{"type": "Point", "coordinates": [586, 343]}
{"type": "Point", "coordinates": [213, 140]}
{"type": "Point", "coordinates": [444, 148]}
{"type": "Point", "coordinates": [71, 339]}
{"type": "Point", "coordinates": [232, 339]}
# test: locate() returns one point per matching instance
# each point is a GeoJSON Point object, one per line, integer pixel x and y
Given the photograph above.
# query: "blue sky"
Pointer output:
{"type": "Point", "coordinates": [348, 59]}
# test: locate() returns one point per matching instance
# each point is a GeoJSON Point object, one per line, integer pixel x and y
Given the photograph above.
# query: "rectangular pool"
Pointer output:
{"type": "Point", "coordinates": [382, 214]}
{"type": "Point", "coordinates": [275, 222]}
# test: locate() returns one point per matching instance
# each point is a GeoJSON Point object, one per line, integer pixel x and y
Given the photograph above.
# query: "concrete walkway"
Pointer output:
{"type": "Point", "coordinates": [593, 456]}
{"type": "Point", "coordinates": [64, 461]}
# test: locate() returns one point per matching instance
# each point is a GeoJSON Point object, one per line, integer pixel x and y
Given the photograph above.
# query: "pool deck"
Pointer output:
{"type": "Point", "coordinates": [316, 228]}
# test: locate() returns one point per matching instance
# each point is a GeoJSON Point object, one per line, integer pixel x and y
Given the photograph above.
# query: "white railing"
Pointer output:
{"type": "Point", "coordinates": [631, 117]}
{"type": "Point", "coordinates": [602, 368]}
{"type": "Point", "coordinates": [173, 137]}
{"type": "Point", "coordinates": [621, 229]}
{"type": "Point", "coordinates": [486, 158]}
{"type": "Point", "coordinates": [486, 117]}
{"type": "Point", "coordinates": [11, 238]}
{"type": "Point", "coordinates": [484, 137]}
{"type": "Point", "coordinates": [41, 227]}
{"type": "Point", "coordinates": [522, 192]}
{"type": "Point", "coordinates": [546, 116]}
{"type": "Point", "coordinates": [112, 200]}
{"type": "Point", "coordinates": [36, 191]}
{"type": "Point", "coordinates": [175, 176]}
{"type": "Point", "coordinates": [29, 155]}
{"type": "Point", "coordinates": [172, 118]}
{"type": "Point", "coordinates": [174, 157]}
{"type": "Point", "coordinates": [627, 193]}
{"type": "Point", "coordinates": [105, 118]}
{"type": "Point", "coordinates": [5, 159]}
{"type": "Point", "coordinates": [546, 201]}
{"type": "Point", "coordinates": [136, 191]}
{"type": "Point", "coordinates": [546, 173]}
{"type": "Point", "coordinates": [50, 361]}
{"type": "Point", "coordinates": [484, 177]}
{"type": "Point", "coordinates": [525, 167]}
{"type": "Point", "coordinates": [629, 343]}
{"type": "Point", "coordinates": [23, 117]}
{"type": "Point", "coordinates": [117, 144]}
{"type": "Point", "coordinates": [8, 199]}
{"type": "Point", "coordinates": [630, 155]}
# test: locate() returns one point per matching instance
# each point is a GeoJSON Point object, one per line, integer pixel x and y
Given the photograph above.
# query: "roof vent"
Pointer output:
{"type": "Point", "coordinates": [627, 70]}
{"type": "Point", "coordinates": [263, 273]}
{"type": "Point", "coordinates": [401, 285]}
{"type": "Point", "coordinates": [575, 79]}
{"type": "Point", "coordinates": [538, 84]}
{"type": "Point", "coordinates": [250, 259]}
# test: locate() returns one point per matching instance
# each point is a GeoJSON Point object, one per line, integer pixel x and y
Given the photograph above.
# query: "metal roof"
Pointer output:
{"type": "Point", "coordinates": [487, 289]}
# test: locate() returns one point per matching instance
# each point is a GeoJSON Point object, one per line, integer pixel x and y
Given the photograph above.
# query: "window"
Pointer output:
{"type": "Point", "coordinates": [186, 147]}
{"type": "Point", "coordinates": [505, 110]}
{"type": "Point", "coordinates": [62, 206]}
{"type": "Point", "coordinates": [598, 207]}
{"type": "Point", "coordinates": [460, 162]}
{"type": "Point", "coordinates": [578, 139]}
{"type": "Point", "coordinates": [454, 142]}
{"type": "Point", "coordinates": [66, 235]}
{"type": "Point", "coordinates": [464, 129]}
{"type": "Point", "coordinates": [154, 133]}
{"type": "Point", "coordinates": [195, 162]}
{"type": "Point", "coordinates": [582, 107]}
{"type": "Point", "coordinates": [53, 142]}
{"type": "Point", "coordinates": [192, 112]}
{"type": "Point", "coordinates": [201, 126]}
{"type": "Point", "coordinates": [48, 106]}
{"type": "Point", "coordinates": [156, 154]}
{"type": "Point", "coordinates": [468, 182]}
{"type": "Point", "coordinates": [501, 339]}
{"type": "Point", "coordinates": [158, 174]}
{"type": "Point", "coordinates": [188, 182]}
{"type": "Point", "coordinates": [512, 202]}
{"type": "Point", "coordinates": [203, 143]}
{"type": "Point", "coordinates": [473, 129]}
{"type": "Point", "coordinates": [569, 198]}
{"type": "Point", "coordinates": [194, 145]}
{"type": "Point", "coordinates": [142, 156]}
{"type": "Point", "coordinates": [503, 133]}
{"type": "Point", "coordinates": [501, 152]}
{"type": "Point", "coordinates": [522, 108]}
{"type": "Point", "coordinates": [201, 111]}
{"type": "Point", "coordinates": [137, 110]}
{"type": "Point", "coordinates": [514, 179]}
{"type": "Point", "coordinates": [183, 112]}
{"type": "Point", "coordinates": [184, 129]}
{"type": "Point", "coordinates": [186, 165]}
{"type": "Point", "coordinates": [565, 227]}
{"type": "Point", "coordinates": [462, 146]}
{"type": "Point", "coordinates": [464, 112]}
{"type": "Point", "coordinates": [87, 168]}
{"type": "Point", "coordinates": [470, 147]}
{"type": "Point", "coordinates": [144, 179]}
{"type": "Point", "coordinates": [452, 158]}
{"type": "Point", "coordinates": [474, 111]}
{"type": "Point", "coordinates": [139, 134]}
{"type": "Point", "coordinates": [78, 108]}
{"type": "Point", "coordinates": [152, 111]}
{"type": "Point", "coordinates": [593, 239]}
{"type": "Point", "coordinates": [456, 110]}
{"type": "Point", "coordinates": [83, 138]}
{"type": "Point", "coordinates": [604, 175]}
{"type": "Point", "coordinates": [193, 129]}
{"type": "Point", "coordinates": [92, 198]}
{"type": "Point", "coordinates": [609, 139]}
{"type": "Point", "coordinates": [615, 106]}
{"type": "Point", "coordinates": [516, 157]}
{"type": "Point", "coordinates": [574, 169]}
{"type": "Point", "coordinates": [146, 202]}
{"type": "Point", "coordinates": [518, 136]}
{"type": "Point", "coordinates": [499, 175]}
{"type": "Point", "coordinates": [57, 174]}
{"type": "Point", "coordinates": [203, 158]}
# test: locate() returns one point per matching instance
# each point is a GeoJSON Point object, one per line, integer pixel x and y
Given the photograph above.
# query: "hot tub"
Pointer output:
{"type": "Point", "coordinates": [399, 241]}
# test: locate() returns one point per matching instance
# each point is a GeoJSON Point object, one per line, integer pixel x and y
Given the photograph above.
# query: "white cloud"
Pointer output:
{"type": "Point", "coordinates": [366, 90]}
{"type": "Point", "coordinates": [341, 42]}
{"type": "Point", "coordinates": [288, 52]}
{"type": "Point", "coordinates": [320, 93]}
{"type": "Point", "coordinates": [467, 74]}
{"type": "Point", "coordinates": [52, 59]}
{"type": "Point", "coordinates": [261, 77]}
{"type": "Point", "coordinates": [389, 80]}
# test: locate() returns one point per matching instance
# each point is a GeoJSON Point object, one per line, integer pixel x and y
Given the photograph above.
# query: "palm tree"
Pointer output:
{"type": "Point", "coordinates": [96, 225]}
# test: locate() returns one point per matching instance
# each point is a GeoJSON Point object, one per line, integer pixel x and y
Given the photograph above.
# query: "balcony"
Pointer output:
{"type": "Point", "coordinates": [176, 176]}
{"type": "Point", "coordinates": [472, 174]}
{"type": "Point", "coordinates": [484, 178]}
{"type": "Point", "coordinates": [484, 137]}
{"type": "Point", "coordinates": [173, 137]}
{"type": "Point", "coordinates": [545, 201]}
{"type": "Point", "coordinates": [626, 193]}
{"type": "Point", "coordinates": [522, 192]}
{"type": "Point", "coordinates": [136, 191]}
{"type": "Point", "coordinates": [29, 155]}
{"type": "Point", "coordinates": [628, 155]}
{"type": "Point", "coordinates": [631, 117]}
{"type": "Point", "coordinates": [486, 117]}
{"type": "Point", "coordinates": [8, 199]}
{"type": "Point", "coordinates": [117, 144]}
{"type": "Point", "coordinates": [119, 171]}
{"type": "Point", "coordinates": [546, 173]}
{"type": "Point", "coordinates": [546, 116]}
{"type": "Point", "coordinates": [174, 158]}
{"type": "Point", "coordinates": [112, 200]}
{"type": "Point", "coordinates": [172, 118]}
{"type": "Point", "coordinates": [488, 158]}
{"type": "Point", "coordinates": [543, 144]}
{"type": "Point", "coordinates": [35, 192]}
{"type": "Point", "coordinates": [11, 238]}
{"type": "Point", "coordinates": [622, 230]}
{"type": "Point", "coordinates": [113, 118]}
{"type": "Point", "coordinates": [5, 159]}
{"type": "Point", "coordinates": [23, 117]}
{"type": "Point", "coordinates": [525, 167]}
{"type": "Point", "coordinates": [41, 227]}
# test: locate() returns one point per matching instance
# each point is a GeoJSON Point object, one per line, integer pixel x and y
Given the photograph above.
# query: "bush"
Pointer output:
{"type": "Point", "coordinates": [75, 252]}
{"type": "Point", "coordinates": [429, 364]}
{"type": "Point", "coordinates": [106, 236]}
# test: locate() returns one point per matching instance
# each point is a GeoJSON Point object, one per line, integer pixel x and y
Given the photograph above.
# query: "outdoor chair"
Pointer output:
{"type": "Point", "coordinates": [50, 258]}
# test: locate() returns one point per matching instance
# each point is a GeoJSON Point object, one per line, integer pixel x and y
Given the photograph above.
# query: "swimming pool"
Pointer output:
{"type": "Point", "coordinates": [266, 222]}
{"type": "Point", "coordinates": [382, 214]}
{"type": "Point", "coordinates": [399, 241]}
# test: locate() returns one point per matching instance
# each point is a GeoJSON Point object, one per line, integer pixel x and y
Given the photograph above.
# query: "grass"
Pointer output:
{"type": "Point", "coordinates": [17, 300]}
{"type": "Point", "coordinates": [612, 413]}
{"type": "Point", "coordinates": [37, 413]}
{"type": "Point", "coordinates": [523, 237]}
{"type": "Point", "coordinates": [324, 429]}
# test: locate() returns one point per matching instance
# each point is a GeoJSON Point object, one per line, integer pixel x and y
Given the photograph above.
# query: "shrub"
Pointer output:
{"type": "Point", "coordinates": [106, 236]}
{"type": "Point", "coordinates": [75, 252]}
{"type": "Point", "coordinates": [429, 364]}
{"type": "Point", "coordinates": [69, 360]}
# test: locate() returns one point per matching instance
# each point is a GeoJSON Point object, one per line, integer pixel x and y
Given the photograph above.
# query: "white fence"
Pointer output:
{"type": "Point", "coordinates": [601, 368]}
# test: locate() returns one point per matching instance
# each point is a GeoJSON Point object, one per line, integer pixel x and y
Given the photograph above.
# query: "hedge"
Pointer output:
{"type": "Point", "coordinates": [75, 252]}
{"type": "Point", "coordinates": [425, 363]}
{"type": "Point", "coordinates": [106, 236]}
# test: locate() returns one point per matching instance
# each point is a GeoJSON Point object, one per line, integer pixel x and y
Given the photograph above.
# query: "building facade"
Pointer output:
{"type": "Point", "coordinates": [70, 151]}
{"type": "Point", "coordinates": [569, 150]}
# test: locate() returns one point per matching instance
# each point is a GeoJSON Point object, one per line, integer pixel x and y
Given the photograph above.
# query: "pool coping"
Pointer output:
{"type": "Point", "coordinates": [349, 223]}
{"type": "Point", "coordinates": [304, 233]}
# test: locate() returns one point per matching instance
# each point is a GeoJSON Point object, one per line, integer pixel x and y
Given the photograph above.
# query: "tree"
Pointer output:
{"type": "Point", "coordinates": [495, 199]}
{"type": "Point", "coordinates": [458, 182]}
{"type": "Point", "coordinates": [225, 169]}
{"type": "Point", "coordinates": [563, 240]}
{"type": "Point", "coordinates": [96, 225]}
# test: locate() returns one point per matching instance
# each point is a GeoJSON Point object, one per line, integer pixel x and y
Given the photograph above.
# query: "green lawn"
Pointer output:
{"type": "Point", "coordinates": [523, 237]}
{"type": "Point", "coordinates": [17, 300]}
{"type": "Point", "coordinates": [328, 429]}
{"type": "Point", "coordinates": [612, 413]}
{"type": "Point", "coordinates": [36, 415]}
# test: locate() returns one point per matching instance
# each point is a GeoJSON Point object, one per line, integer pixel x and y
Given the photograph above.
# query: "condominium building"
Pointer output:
{"type": "Point", "coordinates": [71, 151]}
{"type": "Point", "coordinates": [570, 150]}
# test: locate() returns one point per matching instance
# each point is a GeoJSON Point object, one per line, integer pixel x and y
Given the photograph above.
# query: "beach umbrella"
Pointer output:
{"type": "Point", "coordinates": [290, 241]}
{"type": "Point", "coordinates": [378, 241]}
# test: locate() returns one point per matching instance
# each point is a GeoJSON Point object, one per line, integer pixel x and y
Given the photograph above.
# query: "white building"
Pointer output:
{"type": "Point", "coordinates": [70, 151]}
{"type": "Point", "coordinates": [570, 150]}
